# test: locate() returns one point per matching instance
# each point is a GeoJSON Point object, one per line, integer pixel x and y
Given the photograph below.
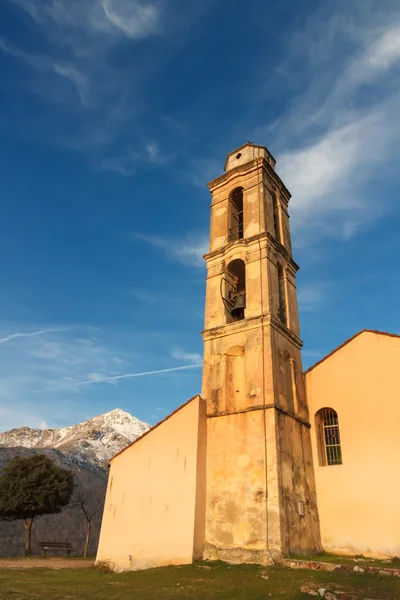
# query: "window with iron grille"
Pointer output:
{"type": "Point", "coordinates": [329, 448]}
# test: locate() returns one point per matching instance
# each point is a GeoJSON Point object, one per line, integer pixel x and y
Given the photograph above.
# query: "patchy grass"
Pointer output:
{"type": "Point", "coordinates": [202, 581]}
{"type": "Point", "coordinates": [358, 559]}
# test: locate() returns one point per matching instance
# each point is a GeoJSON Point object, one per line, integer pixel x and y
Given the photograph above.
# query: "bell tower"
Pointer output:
{"type": "Point", "coordinates": [261, 500]}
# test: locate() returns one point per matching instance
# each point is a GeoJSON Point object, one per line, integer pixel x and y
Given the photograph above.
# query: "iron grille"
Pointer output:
{"type": "Point", "coordinates": [331, 435]}
{"type": "Point", "coordinates": [236, 232]}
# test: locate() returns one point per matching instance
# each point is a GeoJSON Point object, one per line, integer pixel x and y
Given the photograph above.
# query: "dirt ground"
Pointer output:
{"type": "Point", "coordinates": [46, 563]}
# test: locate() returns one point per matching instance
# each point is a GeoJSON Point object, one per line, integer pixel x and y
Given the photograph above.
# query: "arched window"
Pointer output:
{"type": "Point", "coordinates": [236, 214]}
{"type": "Point", "coordinates": [328, 437]}
{"type": "Point", "coordinates": [282, 314]}
{"type": "Point", "coordinates": [234, 290]}
{"type": "Point", "coordinates": [277, 229]}
{"type": "Point", "coordinates": [235, 378]}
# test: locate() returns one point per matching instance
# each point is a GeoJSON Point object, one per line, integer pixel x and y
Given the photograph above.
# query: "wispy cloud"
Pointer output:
{"type": "Point", "coordinates": [188, 251]}
{"type": "Point", "coordinates": [50, 373]}
{"type": "Point", "coordinates": [44, 64]}
{"type": "Point", "coordinates": [348, 114]}
{"type": "Point", "coordinates": [310, 297]}
{"type": "Point", "coordinates": [13, 336]}
{"type": "Point", "coordinates": [87, 42]}
{"type": "Point", "coordinates": [192, 357]}
{"type": "Point", "coordinates": [145, 296]}
{"type": "Point", "coordinates": [128, 162]}
{"type": "Point", "coordinates": [99, 379]}
{"type": "Point", "coordinates": [130, 18]}
{"type": "Point", "coordinates": [77, 79]}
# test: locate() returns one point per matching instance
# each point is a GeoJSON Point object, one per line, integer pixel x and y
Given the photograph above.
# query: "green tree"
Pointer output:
{"type": "Point", "coordinates": [33, 486]}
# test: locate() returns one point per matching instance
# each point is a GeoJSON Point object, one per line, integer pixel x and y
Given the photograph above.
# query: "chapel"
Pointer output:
{"type": "Point", "coordinates": [269, 461]}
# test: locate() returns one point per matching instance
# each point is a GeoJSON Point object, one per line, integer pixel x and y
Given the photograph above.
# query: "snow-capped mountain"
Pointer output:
{"type": "Point", "coordinates": [95, 440]}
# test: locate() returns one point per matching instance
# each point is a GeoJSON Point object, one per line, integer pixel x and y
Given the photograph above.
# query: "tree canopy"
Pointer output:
{"type": "Point", "coordinates": [33, 486]}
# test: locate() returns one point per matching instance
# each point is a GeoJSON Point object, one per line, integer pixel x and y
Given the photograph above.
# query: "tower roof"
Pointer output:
{"type": "Point", "coordinates": [246, 153]}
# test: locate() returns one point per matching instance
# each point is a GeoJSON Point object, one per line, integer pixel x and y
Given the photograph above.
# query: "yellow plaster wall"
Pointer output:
{"type": "Point", "coordinates": [155, 504]}
{"type": "Point", "coordinates": [358, 501]}
{"type": "Point", "coordinates": [236, 487]}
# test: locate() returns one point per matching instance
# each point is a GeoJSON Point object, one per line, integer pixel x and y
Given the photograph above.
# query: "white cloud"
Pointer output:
{"type": "Point", "coordinates": [13, 336]}
{"type": "Point", "coordinates": [79, 81]}
{"type": "Point", "coordinates": [325, 173]}
{"type": "Point", "coordinates": [80, 40]}
{"type": "Point", "coordinates": [130, 18]}
{"type": "Point", "coordinates": [385, 52]}
{"type": "Point", "coordinates": [188, 251]}
{"type": "Point", "coordinates": [30, 8]}
{"type": "Point", "coordinates": [20, 416]}
{"type": "Point", "coordinates": [133, 19]}
{"type": "Point", "coordinates": [145, 296]}
{"type": "Point", "coordinates": [191, 357]}
{"type": "Point", "coordinates": [342, 133]}
{"type": "Point", "coordinates": [123, 376]}
{"type": "Point", "coordinates": [131, 160]}
{"type": "Point", "coordinates": [310, 297]}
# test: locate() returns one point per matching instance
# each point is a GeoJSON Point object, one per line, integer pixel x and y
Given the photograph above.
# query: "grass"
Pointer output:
{"type": "Point", "coordinates": [352, 560]}
{"type": "Point", "coordinates": [201, 581]}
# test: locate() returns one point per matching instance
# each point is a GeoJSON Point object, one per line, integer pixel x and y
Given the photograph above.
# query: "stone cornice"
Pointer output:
{"type": "Point", "coordinates": [244, 243]}
{"type": "Point", "coordinates": [259, 407]}
{"type": "Point", "coordinates": [247, 243]}
{"type": "Point", "coordinates": [245, 325]}
{"type": "Point", "coordinates": [250, 167]}
{"type": "Point", "coordinates": [283, 251]}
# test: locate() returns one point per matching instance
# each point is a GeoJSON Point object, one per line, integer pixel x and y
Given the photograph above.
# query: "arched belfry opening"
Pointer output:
{"type": "Point", "coordinates": [236, 214]}
{"type": "Point", "coordinates": [233, 290]}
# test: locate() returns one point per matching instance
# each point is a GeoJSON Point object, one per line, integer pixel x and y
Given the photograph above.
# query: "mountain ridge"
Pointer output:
{"type": "Point", "coordinates": [85, 449]}
{"type": "Point", "coordinates": [95, 440]}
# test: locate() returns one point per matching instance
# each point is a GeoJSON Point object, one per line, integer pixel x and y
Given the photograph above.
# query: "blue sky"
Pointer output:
{"type": "Point", "coordinates": [114, 116]}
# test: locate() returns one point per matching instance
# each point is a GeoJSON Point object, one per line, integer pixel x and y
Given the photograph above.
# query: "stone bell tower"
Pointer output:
{"type": "Point", "coordinates": [261, 499]}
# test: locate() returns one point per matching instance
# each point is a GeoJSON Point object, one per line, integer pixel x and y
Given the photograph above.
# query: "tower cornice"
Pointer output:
{"type": "Point", "coordinates": [265, 238]}
{"type": "Point", "coordinates": [249, 168]}
{"type": "Point", "coordinates": [258, 322]}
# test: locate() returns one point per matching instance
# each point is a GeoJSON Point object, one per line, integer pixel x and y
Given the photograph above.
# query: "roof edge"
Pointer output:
{"type": "Point", "coordinates": [376, 331]}
{"type": "Point", "coordinates": [155, 426]}
{"type": "Point", "coordinates": [253, 146]}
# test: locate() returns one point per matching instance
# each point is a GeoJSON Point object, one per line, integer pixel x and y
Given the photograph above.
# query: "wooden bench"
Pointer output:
{"type": "Point", "coordinates": [67, 546]}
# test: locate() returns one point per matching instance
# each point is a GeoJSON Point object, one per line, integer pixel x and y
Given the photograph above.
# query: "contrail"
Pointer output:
{"type": "Point", "coordinates": [125, 376]}
{"type": "Point", "coordinates": [12, 336]}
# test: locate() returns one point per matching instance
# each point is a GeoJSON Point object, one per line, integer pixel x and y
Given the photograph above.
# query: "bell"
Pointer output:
{"type": "Point", "coordinates": [239, 306]}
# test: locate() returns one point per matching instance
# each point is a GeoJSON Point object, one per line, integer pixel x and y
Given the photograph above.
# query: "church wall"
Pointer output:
{"type": "Point", "coordinates": [154, 510]}
{"type": "Point", "coordinates": [358, 501]}
{"type": "Point", "coordinates": [297, 497]}
{"type": "Point", "coordinates": [299, 519]}
{"type": "Point", "coordinates": [235, 529]}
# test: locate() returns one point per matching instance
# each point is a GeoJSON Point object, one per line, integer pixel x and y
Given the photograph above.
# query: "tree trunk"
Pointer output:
{"type": "Point", "coordinates": [89, 526]}
{"type": "Point", "coordinates": [28, 536]}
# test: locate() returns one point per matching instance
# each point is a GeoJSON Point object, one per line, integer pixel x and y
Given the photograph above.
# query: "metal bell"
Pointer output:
{"type": "Point", "coordinates": [239, 306]}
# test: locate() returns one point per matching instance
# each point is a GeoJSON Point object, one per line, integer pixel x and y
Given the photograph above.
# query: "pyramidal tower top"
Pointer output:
{"type": "Point", "coordinates": [246, 153]}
